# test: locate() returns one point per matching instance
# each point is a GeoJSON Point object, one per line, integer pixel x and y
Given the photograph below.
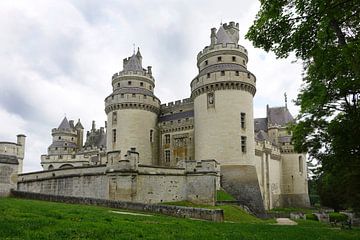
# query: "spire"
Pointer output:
{"type": "Point", "coordinates": [138, 54]}
{"type": "Point", "coordinates": [64, 124]}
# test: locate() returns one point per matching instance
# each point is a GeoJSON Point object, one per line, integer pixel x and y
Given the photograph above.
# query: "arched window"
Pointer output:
{"type": "Point", "coordinates": [51, 167]}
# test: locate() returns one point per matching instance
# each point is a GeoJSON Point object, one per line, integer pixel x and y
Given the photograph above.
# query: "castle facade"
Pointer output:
{"type": "Point", "coordinates": [253, 159]}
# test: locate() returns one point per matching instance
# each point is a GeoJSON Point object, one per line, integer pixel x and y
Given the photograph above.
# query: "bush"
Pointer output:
{"type": "Point", "coordinates": [311, 216]}
{"type": "Point", "coordinates": [338, 217]}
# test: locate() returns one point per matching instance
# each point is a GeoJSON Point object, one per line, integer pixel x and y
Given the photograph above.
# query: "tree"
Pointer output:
{"type": "Point", "coordinates": [324, 35]}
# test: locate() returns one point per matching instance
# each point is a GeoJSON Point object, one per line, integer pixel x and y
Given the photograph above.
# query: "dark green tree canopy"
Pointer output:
{"type": "Point", "coordinates": [325, 36]}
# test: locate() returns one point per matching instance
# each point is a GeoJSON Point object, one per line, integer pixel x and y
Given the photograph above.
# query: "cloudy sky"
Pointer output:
{"type": "Point", "coordinates": [57, 58]}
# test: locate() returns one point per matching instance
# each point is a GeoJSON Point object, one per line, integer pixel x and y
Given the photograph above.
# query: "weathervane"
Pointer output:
{"type": "Point", "coordinates": [285, 99]}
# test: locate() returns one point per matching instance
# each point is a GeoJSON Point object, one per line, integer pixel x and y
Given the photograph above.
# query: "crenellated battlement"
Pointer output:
{"type": "Point", "coordinates": [181, 102]}
{"type": "Point", "coordinates": [133, 73]}
{"type": "Point", "coordinates": [199, 166]}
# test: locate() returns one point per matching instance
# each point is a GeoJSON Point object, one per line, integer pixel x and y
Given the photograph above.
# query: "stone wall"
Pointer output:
{"type": "Point", "coordinates": [241, 182]}
{"type": "Point", "coordinates": [8, 176]}
{"type": "Point", "coordinates": [127, 182]}
{"type": "Point", "coordinates": [215, 215]}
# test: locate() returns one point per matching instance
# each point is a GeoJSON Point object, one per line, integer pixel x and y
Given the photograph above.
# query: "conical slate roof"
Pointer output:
{"type": "Point", "coordinates": [222, 36]}
{"type": "Point", "coordinates": [79, 125]}
{"type": "Point", "coordinates": [64, 124]}
{"type": "Point", "coordinates": [134, 64]}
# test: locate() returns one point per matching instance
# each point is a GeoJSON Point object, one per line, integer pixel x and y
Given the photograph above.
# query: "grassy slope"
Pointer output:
{"type": "Point", "coordinates": [28, 219]}
{"type": "Point", "coordinates": [221, 195]}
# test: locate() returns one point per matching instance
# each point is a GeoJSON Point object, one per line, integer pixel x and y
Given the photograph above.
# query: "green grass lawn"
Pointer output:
{"type": "Point", "coordinates": [29, 219]}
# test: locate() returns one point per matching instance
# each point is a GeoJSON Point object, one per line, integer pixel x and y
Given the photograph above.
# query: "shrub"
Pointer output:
{"type": "Point", "coordinates": [338, 217]}
{"type": "Point", "coordinates": [311, 216]}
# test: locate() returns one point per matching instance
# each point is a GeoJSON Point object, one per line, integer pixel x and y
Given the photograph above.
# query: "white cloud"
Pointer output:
{"type": "Point", "coordinates": [58, 57]}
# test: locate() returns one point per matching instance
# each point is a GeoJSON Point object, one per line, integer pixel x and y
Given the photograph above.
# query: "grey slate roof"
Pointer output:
{"type": "Point", "coordinates": [64, 124]}
{"type": "Point", "coordinates": [284, 139]}
{"type": "Point", "coordinates": [134, 64]}
{"type": "Point", "coordinates": [222, 36]}
{"type": "Point", "coordinates": [9, 159]}
{"type": "Point", "coordinates": [176, 116]}
{"type": "Point", "coordinates": [261, 135]}
{"type": "Point", "coordinates": [260, 124]}
{"type": "Point", "coordinates": [79, 125]}
{"type": "Point", "coordinates": [279, 116]}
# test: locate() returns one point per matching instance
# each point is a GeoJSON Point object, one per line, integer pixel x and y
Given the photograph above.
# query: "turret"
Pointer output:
{"type": "Point", "coordinates": [132, 110]}
{"type": "Point", "coordinates": [21, 151]}
{"type": "Point", "coordinates": [80, 133]}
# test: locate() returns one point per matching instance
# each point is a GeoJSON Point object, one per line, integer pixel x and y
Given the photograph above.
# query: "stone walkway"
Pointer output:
{"type": "Point", "coordinates": [285, 221]}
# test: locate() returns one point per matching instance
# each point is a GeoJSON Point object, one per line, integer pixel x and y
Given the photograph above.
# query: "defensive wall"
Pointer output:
{"type": "Point", "coordinates": [126, 180]}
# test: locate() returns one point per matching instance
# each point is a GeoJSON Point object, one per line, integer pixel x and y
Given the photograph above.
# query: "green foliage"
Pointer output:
{"type": "Point", "coordinates": [313, 192]}
{"type": "Point", "coordinates": [325, 35]}
{"type": "Point", "coordinates": [338, 217]}
{"type": "Point", "coordinates": [221, 195]}
{"type": "Point", "coordinates": [28, 219]}
{"type": "Point", "coordinates": [310, 216]}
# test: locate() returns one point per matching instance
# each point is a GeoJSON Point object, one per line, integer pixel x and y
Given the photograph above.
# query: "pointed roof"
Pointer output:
{"type": "Point", "coordinates": [222, 36]}
{"type": "Point", "coordinates": [79, 125]}
{"type": "Point", "coordinates": [138, 54]}
{"type": "Point", "coordinates": [279, 116]}
{"type": "Point", "coordinates": [261, 135]}
{"type": "Point", "coordinates": [64, 124]}
{"type": "Point", "coordinates": [133, 64]}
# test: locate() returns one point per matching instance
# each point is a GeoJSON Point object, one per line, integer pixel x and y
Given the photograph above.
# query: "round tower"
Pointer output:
{"type": "Point", "coordinates": [223, 94]}
{"type": "Point", "coordinates": [132, 110]}
{"type": "Point", "coordinates": [64, 139]}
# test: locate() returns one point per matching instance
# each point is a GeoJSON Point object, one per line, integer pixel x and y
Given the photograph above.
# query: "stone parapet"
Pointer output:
{"type": "Point", "coordinates": [228, 48]}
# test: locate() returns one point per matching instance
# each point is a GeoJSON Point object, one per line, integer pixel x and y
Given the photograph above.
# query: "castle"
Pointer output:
{"type": "Point", "coordinates": [183, 150]}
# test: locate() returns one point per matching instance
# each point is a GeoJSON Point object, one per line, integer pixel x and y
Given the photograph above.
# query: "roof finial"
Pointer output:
{"type": "Point", "coordinates": [134, 48]}
{"type": "Point", "coordinates": [285, 96]}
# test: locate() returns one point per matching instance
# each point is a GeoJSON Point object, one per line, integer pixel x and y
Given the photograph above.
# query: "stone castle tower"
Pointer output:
{"type": "Point", "coordinates": [223, 94]}
{"type": "Point", "coordinates": [132, 111]}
